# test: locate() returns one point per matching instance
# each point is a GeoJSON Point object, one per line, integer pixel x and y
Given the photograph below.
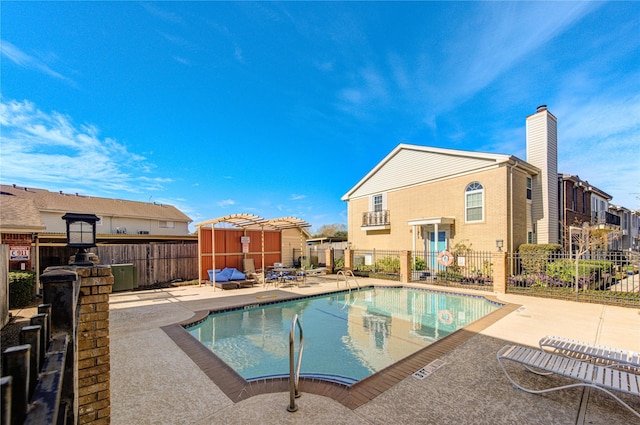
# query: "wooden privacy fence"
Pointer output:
{"type": "Point", "coordinates": [154, 263]}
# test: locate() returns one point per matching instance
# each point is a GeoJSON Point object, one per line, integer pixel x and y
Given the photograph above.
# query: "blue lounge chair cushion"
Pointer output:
{"type": "Point", "coordinates": [235, 274]}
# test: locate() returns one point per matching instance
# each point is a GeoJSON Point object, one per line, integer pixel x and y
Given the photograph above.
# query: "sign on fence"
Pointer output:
{"type": "Point", "coordinates": [19, 253]}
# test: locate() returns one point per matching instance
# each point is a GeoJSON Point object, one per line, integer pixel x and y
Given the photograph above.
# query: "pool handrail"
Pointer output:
{"type": "Point", "coordinates": [294, 376]}
{"type": "Point", "coordinates": [346, 274]}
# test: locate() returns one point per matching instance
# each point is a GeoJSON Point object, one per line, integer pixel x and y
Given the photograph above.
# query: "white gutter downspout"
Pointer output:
{"type": "Point", "coordinates": [511, 167]}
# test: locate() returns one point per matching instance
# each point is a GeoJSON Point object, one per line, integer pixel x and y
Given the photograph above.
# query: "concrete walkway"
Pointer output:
{"type": "Point", "coordinates": [154, 382]}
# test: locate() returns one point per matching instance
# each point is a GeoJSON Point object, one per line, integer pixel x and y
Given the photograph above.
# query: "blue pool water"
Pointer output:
{"type": "Point", "coordinates": [347, 336]}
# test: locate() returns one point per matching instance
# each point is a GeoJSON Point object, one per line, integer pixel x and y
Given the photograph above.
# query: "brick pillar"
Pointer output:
{"type": "Point", "coordinates": [348, 259]}
{"type": "Point", "coordinates": [500, 273]}
{"type": "Point", "coordinates": [94, 371]}
{"type": "Point", "coordinates": [405, 266]}
{"type": "Point", "coordinates": [328, 255]}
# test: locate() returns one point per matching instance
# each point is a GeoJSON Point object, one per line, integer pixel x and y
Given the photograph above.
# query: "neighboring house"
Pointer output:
{"type": "Point", "coordinates": [580, 203]}
{"type": "Point", "coordinates": [120, 221]}
{"type": "Point", "coordinates": [623, 240]}
{"type": "Point", "coordinates": [20, 222]}
{"type": "Point", "coordinates": [429, 199]}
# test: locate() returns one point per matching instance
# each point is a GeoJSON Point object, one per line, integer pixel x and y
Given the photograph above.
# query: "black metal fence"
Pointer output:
{"type": "Point", "coordinates": [603, 277]}
{"type": "Point", "coordinates": [380, 264]}
{"type": "Point", "coordinates": [468, 269]}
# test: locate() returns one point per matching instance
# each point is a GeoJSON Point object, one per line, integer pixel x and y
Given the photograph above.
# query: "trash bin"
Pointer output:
{"type": "Point", "coordinates": [124, 277]}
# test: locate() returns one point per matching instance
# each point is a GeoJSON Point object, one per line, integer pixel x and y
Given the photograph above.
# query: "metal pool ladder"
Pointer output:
{"type": "Point", "coordinates": [346, 274]}
{"type": "Point", "coordinates": [294, 376]}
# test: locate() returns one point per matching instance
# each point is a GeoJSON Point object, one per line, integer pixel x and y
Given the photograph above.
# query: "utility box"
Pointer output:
{"type": "Point", "coordinates": [125, 277]}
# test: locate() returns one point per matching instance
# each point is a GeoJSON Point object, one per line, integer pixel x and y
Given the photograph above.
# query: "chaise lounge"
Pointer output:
{"type": "Point", "coordinates": [603, 378]}
{"type": "Point", "coordinates": [229, 278]}
{"type": "Point", "coordinates": [599, 354]}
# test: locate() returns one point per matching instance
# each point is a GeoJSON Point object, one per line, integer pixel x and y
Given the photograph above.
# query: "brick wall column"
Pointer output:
{"type": "Point", "coordinates": [500, 273]}
{"type": "Point", "coordinates": [328, 255]}
{"type": "Point", "coordinates": [405, 266]}
{"type": "Point", "coordinates": [94, 370]}
{"type": "Point", "coordinates": [348, 259]}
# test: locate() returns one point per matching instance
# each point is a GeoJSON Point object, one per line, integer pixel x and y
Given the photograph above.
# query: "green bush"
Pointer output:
{"type": "Point", "coordinates": [565, 270]}
{"type": "Point", "coordinates": [420, 264]}
{"type": "Point", "coordinates": [20, 289]}
{"type": "Point", "coordinates": [535, 257]}
{"type": "Point", "coordinates": [388, 265]}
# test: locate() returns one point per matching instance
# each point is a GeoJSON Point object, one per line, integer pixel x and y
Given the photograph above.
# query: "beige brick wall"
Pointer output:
{"type": "Point", "coordinates": [447, 199]}
{"type": "Point", "coordinates": [94, 370]}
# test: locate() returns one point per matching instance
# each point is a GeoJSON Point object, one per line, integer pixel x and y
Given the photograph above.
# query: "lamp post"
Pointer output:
{"type": "Point", "coordinates": [81, 234]}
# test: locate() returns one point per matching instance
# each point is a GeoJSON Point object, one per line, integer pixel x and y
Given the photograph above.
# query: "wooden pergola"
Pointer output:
{"type": "Point", "coordinates": [246, 222]}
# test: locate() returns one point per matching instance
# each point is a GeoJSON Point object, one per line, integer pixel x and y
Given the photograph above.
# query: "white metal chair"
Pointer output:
{"type": "Point", "coordinates": [586, 374]}
{"type": "Point", "coordinates": [600, 354]}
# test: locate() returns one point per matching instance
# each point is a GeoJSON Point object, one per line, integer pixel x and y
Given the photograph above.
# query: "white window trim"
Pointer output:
{"type": "Point", "coordinates": [371, 201]}
{"type": "Point", "coordinates": [466, 207]}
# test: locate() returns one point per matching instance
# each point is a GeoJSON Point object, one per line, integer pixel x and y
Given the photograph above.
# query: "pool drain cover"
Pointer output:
{"type": "Point", "coordinates": [429, 369]}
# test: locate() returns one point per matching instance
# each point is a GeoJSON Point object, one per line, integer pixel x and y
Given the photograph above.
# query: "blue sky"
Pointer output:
{"type": "Point", "coordinates": [278, 109]}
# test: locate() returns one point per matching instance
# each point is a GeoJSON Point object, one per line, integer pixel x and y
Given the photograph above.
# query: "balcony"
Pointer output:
{"type": "Point", "coordinates": [376, 220]}
{"type": "Point", "coordinates": [605, 218]}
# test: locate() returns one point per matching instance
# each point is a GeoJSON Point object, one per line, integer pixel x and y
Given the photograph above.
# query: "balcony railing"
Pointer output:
{"type": "Point", "coordinates": [376, 218]}
{"type": "Point", "coordinates": [605, 217]}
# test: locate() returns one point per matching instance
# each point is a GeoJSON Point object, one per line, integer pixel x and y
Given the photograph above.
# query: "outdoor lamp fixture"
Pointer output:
{"type": "Point", "coordinates": [499, 244]}
{"type": "Point", "coordinates": [81, 234]}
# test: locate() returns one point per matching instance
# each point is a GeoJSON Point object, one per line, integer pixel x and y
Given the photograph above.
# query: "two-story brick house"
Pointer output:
{"type": "Point", "coordinates": [425, 198]}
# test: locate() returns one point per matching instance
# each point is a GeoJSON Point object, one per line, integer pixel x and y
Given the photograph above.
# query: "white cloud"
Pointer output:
{"type": "Point", "coordinates": [226, 203]}
{"type": "Point", "coordinates": [20, 58]}
{"type": "Point", "coordinates": [42, 149]}
{"type": "Point", "coordinates": [296, 197]}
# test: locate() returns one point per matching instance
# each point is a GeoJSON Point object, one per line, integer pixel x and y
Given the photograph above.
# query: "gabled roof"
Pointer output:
{"type": "Point", "coordinates": [409, 165]}
{"type": "Point", "coordinates": [19, 215]}
{"type": "Point", "coordinates": [46, 201]}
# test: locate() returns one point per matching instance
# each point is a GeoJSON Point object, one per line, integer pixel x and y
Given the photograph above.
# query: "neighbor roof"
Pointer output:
{"type": "Point", "coordinates": [46, 201]}
{"type": "Point", "coordinates": [18, 215]}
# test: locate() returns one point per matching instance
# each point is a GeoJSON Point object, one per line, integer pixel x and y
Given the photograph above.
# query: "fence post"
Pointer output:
{"type": "Point", "coordinates": [5, 407]}
{"type": "Point", "coordinates": [60, 289]}
{"type": "Point", "coordinates": [15, 363]}
{"type": "Point", "coordinates": [348, 259]}
{"type": "Point", "coordinates": [31, 335]}
{"type": "Point", "coordinates": [328, 255]}
{"type": "Point", "coordinates": [405, 266]}
{"type": "Point", "coordinates": [94, 370]}
{"type": "Point", "coordinates": [500, 272]}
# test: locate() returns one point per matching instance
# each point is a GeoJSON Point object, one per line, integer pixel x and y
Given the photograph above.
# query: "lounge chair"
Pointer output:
{"type": "Point", "coordinates": [587, 374]}
{"type": "Point", "coordinates": [600, 354]}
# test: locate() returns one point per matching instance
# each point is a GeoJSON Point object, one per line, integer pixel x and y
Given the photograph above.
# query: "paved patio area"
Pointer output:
{"type": "Point", "coordinates": [153, 381]}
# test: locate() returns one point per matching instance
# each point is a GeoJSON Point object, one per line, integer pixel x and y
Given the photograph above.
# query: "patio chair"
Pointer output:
{"type": "Point", "coordinates": [586, 374]}
{"type": "Point", "coordinates": [599, 354]}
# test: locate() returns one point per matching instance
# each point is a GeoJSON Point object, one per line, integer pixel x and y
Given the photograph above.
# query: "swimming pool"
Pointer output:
{"type": "Point", "coordinates": [348, 336]}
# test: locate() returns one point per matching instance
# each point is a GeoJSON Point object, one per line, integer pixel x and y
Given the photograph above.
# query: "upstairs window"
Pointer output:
{"type": "Point", "coordinates": [377, 203]}
{"type": "Point", "coordinates": [474, 202]}
{"type": "Point", "coordinates": [166, 224]}
{"type": "Point", "coordinates": [529, 189]}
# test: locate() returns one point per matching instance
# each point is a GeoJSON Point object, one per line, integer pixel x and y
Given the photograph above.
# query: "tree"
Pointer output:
{"type": "Point", "coordinates": [327, 230]}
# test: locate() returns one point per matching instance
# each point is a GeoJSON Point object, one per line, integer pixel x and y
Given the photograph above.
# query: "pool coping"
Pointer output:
{"type": "Point", "coordinates": [234, 386]}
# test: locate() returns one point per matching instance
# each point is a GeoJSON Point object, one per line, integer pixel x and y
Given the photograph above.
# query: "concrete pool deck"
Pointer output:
{"type": "Point", "coordinates": [153, 381]}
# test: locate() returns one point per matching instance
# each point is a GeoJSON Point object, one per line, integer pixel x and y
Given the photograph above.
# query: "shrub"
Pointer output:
{"type": "Point", "coordinates": [388, 264]}
{"type": "Point", "coordinates": [420, 264]}
{"type": "Point", "coordinates": [534, 257]}
{"type": "Point", "coordinates": [20, 289]}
